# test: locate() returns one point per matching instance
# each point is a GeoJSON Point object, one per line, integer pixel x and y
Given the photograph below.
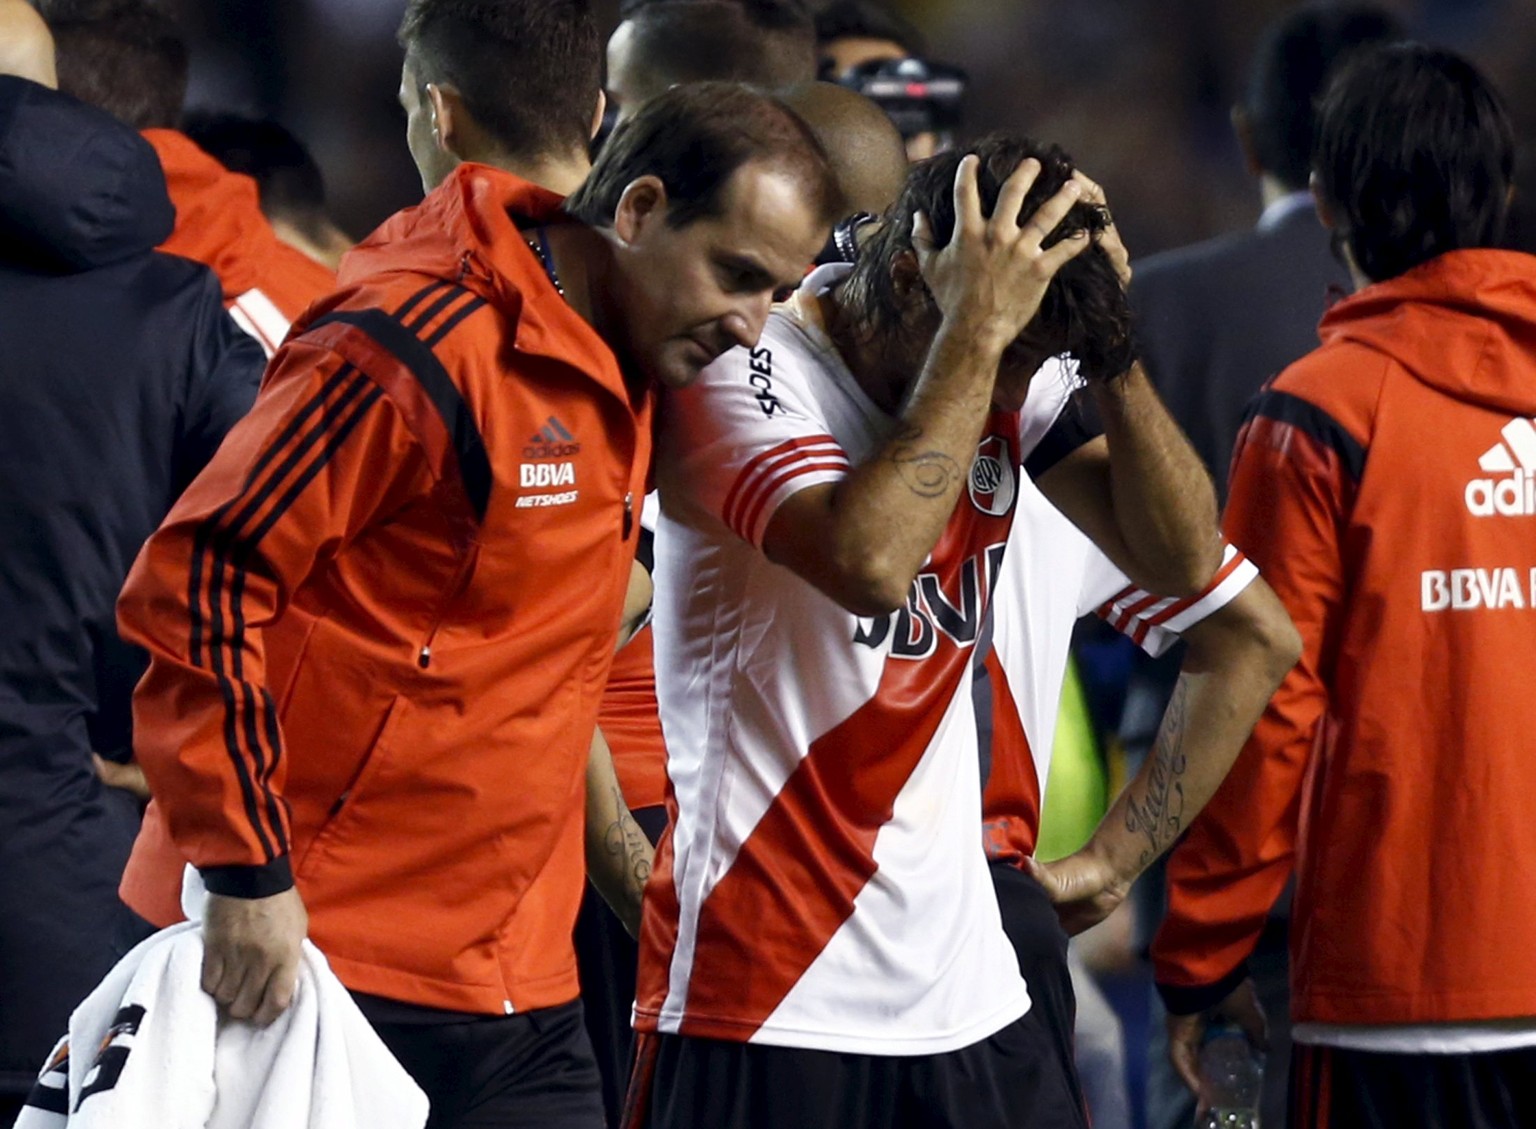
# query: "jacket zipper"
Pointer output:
{"type": "Point", "coordinates": [461, 582]}
{"type": "Point", "coordinates": [629, 513]}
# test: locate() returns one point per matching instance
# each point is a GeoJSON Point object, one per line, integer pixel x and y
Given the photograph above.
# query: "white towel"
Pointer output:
{"type": "Point", "coordinates": [148, 1050]}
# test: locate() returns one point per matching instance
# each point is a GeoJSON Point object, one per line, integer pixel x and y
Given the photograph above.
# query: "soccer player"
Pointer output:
{"type": "Point", "coordinates": [822, 945]}
{"type": "Point", "coordinates": [380, 623]}
{"type": "Point", "coordinates": [1383, 485]}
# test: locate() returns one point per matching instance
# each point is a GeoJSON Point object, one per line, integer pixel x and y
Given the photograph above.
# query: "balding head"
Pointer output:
{"type": "Point", "coordinates": [866, 152]}
{"type": "Point", "coordinates": [26, 46]}
{"type": "Point", "coordinates": [667, 44]}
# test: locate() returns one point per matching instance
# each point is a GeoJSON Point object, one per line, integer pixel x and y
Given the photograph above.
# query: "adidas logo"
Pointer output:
{"type": "Point", "coordinates": [552, 441]}
{"type": "Point", "coordinates": [1513, 494]}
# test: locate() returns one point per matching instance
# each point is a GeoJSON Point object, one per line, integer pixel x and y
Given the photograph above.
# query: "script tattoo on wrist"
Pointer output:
{"type": "Point", "coordinates": [1158, 816]}
{"type": "Point", "coordinates": [928, 474]}
{"type": "Point", "coordinates": [625, 840]}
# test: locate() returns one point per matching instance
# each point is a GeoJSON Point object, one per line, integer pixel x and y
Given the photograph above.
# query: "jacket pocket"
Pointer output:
{"type": "Point", "coordinates": [343, 807]}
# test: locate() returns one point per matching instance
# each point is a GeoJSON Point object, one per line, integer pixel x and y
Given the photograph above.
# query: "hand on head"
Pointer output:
{"type": "Point", "coordinates": [994, 271]}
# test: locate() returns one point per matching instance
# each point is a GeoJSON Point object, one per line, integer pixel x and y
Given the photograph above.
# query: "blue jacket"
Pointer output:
{"type": "Point", "coordinates": [119, 375]}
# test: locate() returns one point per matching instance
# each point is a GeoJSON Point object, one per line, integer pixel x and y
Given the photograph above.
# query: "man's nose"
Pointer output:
{"type": "Point", "coordinates": [745, 325]}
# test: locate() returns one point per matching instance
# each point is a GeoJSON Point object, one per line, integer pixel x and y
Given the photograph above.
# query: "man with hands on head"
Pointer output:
{"type": "Point", "coordinates": [1142, 525]}
{"type": "Point", "coordinates": [821, 943]}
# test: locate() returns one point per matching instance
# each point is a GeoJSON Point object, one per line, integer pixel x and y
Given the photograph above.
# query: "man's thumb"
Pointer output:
{"type": "Point", "coordinates": [1043, 874]}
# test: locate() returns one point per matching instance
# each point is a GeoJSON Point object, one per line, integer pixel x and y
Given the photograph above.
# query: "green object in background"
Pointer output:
{"type": "Point", "coordinates": [1077, 792]}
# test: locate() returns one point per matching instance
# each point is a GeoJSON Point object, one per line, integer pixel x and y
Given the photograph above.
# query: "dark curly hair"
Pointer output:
{"type": "Point", "coordinates": [1085, 312]}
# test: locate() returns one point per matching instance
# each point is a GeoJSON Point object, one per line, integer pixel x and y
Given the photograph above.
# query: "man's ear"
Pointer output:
{"type": "Point", "coordinates": [597, 116]}
{"type": "Point", "coordinates": [1320, 202]}
{"type": "Point", "coordinates": [1242, 126]}
{"type": "Point", "coordinates": [905, 273]}
{"type": "Point", "coordinates": [450, 119]}
{"type": "Point", "coordinates": [643, 204]}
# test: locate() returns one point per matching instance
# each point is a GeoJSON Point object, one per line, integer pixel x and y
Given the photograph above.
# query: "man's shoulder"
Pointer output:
{"type": "Point", "coordinates": [1169, 268]}
{"type": "Point", "coordinates": [1229, 267]}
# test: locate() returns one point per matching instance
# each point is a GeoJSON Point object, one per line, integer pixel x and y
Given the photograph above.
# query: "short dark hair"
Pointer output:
{"type": "Point", "coordinates": [866, 19]}
{"type": "Point", "coordinates": [1297, 56]}
{"type": "Point", "coordinates": [127, 57]}
{"type": "Point", "coordinates": [1085, 311]}
{"type": "Point", "coordinates": [719, 40]}
{"type": "Point", "coordinates": [1415, 156]}
{"type": "Point", "coordinates": [529, 71]}
{"type": "Point", "coordinates": [287, 176]}
{"type": "Point", "coordinates": [694, 138]}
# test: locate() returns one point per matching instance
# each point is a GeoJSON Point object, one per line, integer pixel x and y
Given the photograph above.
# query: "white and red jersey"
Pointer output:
{"type": "Point", "coordinates": [822, 884]}
{"type": "Point", "coordinates": [1052, 575]}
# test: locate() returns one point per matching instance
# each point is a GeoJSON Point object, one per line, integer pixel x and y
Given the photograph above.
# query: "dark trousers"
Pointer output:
{"type": "Point", "coordinates": [1339, 1089]}
{"type": "Point", "coordinates": [606, 959]}
{"type": "Point", "coordinates": [690, 1083]}
{"type": "Point", "coordinates": [1032, 926]}
{"type": "Point", "coordinates": [528, 1071]}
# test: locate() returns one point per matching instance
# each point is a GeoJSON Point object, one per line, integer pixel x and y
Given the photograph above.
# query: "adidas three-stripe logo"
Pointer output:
{"type": "Point", "coordinates": [227, 540]}
{"type": "Point", "coordinates": [1514, 459]}
{"type": "Point", "coordinates": [553, 432]}
{"type": "Point", "coordinates": [552, 441]}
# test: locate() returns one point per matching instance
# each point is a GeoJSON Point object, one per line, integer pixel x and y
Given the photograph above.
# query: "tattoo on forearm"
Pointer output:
{"type": "Point", "coordinates": [625, 840]}
{"type": "Point", "coordinates": [1158, 815]}
{"type": "Point", "coordinates": [928, 474]}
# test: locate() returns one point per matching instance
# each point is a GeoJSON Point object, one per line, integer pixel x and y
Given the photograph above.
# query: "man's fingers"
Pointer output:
{"type": "Point", "coordinates": [247, 996]}
{"type": "Point", "coordinates": [968, 218]}
{"type": "Point", "coordinates": [277, 996]}
{"type": "Point", "coordinates": [922, 239]}
{"type": "Point", "coordinates": [1092, 192]}
{"type": "Point", "coordinates": [1064, 252]}
{"type": "Point", "coordinates": [1049, 214]}
{"type": "Point", "coordinates": [1183, 1049]}
{"type": "Point", "coordinates": [1006, 219]}
{"type": "Point", "coordinates": [213, 974]}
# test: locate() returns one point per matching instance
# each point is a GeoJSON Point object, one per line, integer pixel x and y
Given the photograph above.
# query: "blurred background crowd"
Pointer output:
{"type": "Point", "coordinates": [1139, 91]}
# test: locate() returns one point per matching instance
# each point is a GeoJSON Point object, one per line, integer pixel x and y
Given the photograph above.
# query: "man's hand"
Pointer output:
{"type": "Point", "coordinates": [1085, 888]}
{"type": "Point", "coordinates": [1186, 1032]}
{"type": "Point", "coordinates": [992, 275]}
{"type": "Point", "coordinates": [251, 953]}
{"type": "Point", "coordinates": [1109, 238]}
{"type": "Point", "coordinates": [129, 777]}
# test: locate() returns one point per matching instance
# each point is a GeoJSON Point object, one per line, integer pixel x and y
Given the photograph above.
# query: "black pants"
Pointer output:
{"type": "Point", "coordinates": [1364, 1090]}
{"type": "Point", "coordinates": [529, 1071]}
{"type": "Point", "coordinates": [1038, 939]}
{"type": "Point", "coordinates": [606, 958]}
{"type": "Point", "coordinates": [999, 1083]}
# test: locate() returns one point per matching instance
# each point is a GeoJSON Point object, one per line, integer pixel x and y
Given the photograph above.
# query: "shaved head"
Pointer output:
{"type": "Point", "coordinates": [667, 44]}
{"type": "Point", "coordinates": [866, 152]}
{"type": "Point", "coordinates": [26, 46]}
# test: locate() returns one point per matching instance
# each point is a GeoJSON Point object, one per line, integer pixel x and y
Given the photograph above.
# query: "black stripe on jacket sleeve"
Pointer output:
{"type": "Point", "coordinates": [1312, 421]}
{"type": "Point", "coordinates": [417, 356]}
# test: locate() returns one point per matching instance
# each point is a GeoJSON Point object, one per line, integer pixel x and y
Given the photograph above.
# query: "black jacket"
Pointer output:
{"type": "Point", "coordinates": [1216, 320]}
{"type": "Point", "coordinates": [119, 375]}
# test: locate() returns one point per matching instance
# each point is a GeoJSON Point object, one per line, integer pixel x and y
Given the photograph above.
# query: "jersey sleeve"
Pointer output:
{"type": "Point", "coordinates": [1154, 623]}
{"type": "Point", "coordinates": [322, 454]}
{"type": "Point", "coordinates": [1293, 483]}
{"type": "Point", "coordinates": [747, 435]}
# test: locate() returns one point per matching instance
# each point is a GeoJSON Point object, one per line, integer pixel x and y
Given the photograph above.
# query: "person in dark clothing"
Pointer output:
{"type": "Point", "coordinates": [1218, 319]}
{"type": "Point", "coordinates": [1214, 322]}
{"type": "Point", "coordinates": [120, 372]}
